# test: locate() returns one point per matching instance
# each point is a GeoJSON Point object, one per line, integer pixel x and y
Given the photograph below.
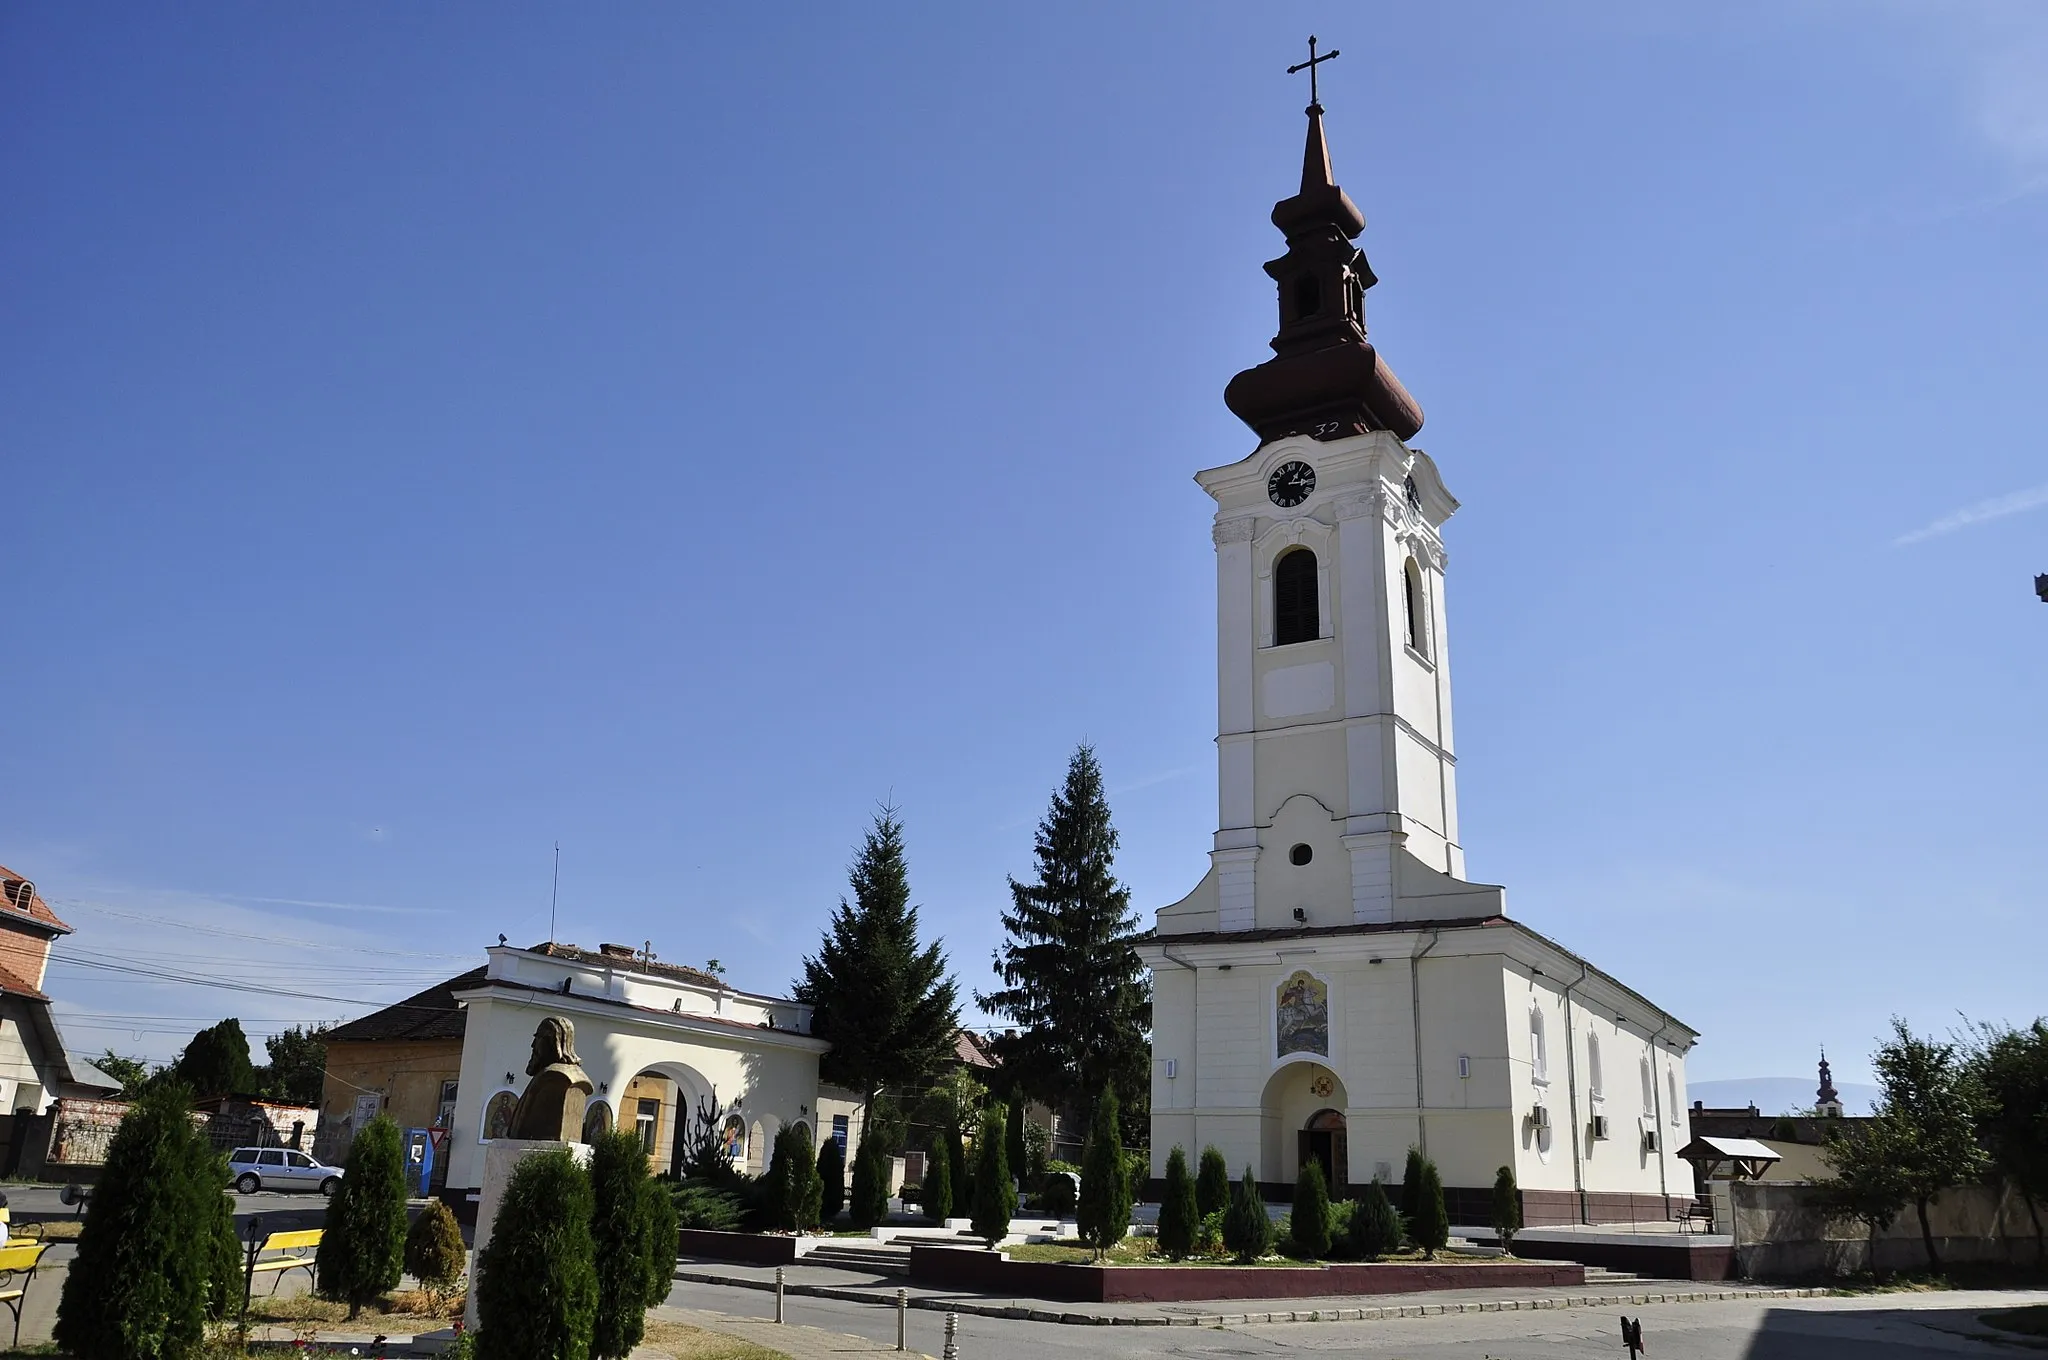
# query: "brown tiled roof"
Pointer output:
{"type": "Point", "coordinates": [972, 1049]}
{"type": "Point", "coordinates": [14, 888]}
{"type": "Point", "coordinates": [622, 957]}
{"type": "Point", "coordinates": [12, 985]}
{"type": "Point", "coordinates": [431, 1014]}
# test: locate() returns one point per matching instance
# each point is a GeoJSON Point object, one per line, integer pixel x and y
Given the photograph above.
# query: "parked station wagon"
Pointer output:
{"type": "Point", "coordinates": [257, 1169]}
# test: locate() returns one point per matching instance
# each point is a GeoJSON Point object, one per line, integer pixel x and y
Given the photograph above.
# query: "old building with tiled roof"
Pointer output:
{"type": "Point", "coordinates": [34, 1067]}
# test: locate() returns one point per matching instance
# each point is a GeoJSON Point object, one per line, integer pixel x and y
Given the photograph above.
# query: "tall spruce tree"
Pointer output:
{"type": "Point", "coordinates": [1072, 978]}
{"type": "Point", "coordinates": [886, 1002]}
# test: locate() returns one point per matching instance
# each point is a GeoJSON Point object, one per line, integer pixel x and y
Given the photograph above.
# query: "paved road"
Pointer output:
{"type": "Point", "coordinates": [1886, 1327]}
{"type": "Point", "coordinates": [280, 1212]}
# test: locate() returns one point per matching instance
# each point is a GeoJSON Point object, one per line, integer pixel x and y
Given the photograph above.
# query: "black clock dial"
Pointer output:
{"type": "Point", "coordinates": [1290, 484]}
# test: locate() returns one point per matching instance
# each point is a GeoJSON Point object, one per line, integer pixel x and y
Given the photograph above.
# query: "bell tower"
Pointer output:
{"type": "Point", "coordinates": [1337, 785]}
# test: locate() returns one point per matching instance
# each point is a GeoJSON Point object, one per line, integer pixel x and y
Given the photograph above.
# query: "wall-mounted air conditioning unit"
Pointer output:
{"type": "Point", "coordinates": [1539, 1116]}
{"type": "Point", "coordinates": [1600, 1126]}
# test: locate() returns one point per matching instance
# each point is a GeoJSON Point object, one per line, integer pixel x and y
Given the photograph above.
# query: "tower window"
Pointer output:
{"type": "Point", "coordinates": [1301, 854]}
{"type": "Point", "coordinates": [1415, 607]}
{"type": "Point", "coordinates": [1296, 616]}
{"type": "Point", "coordinates": [1308, 296]}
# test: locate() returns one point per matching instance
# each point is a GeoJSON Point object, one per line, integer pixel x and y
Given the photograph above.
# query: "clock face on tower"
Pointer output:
{"type": "Point", "coordinates": [1290, 484]}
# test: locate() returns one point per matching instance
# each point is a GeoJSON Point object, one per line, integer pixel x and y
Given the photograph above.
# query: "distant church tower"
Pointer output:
{"type": "Point", "coordinates": [1333, 989]}
{"type": "Point", "coordinates": [1827, 1100]}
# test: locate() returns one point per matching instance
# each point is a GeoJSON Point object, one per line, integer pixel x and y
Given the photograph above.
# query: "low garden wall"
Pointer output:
{"type": "Point", "coordinates": [758, 1249]}
{"type": "Point", "coordinates": [1780, 1236]}
{"type": "Point", "coordinates": [1657, 1257]}
{"type": "Point", "coordinates": [988, 1272]}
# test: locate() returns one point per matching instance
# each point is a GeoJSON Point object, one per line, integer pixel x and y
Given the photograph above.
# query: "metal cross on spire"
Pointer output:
{"type": "Point", "coordinates": [1310, 67]}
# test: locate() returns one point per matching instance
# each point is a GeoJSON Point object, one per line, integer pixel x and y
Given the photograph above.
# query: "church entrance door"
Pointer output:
{"type": "Point", "coordinates": [1323, 1140]}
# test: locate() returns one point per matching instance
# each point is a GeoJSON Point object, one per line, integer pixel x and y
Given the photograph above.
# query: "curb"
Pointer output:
{"type": "Point", "coordinates": [1360, 1314]}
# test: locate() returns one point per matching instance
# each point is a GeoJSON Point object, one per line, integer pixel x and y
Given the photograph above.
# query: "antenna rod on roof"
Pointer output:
{"type": "Point", "coordinates": [555, 892]}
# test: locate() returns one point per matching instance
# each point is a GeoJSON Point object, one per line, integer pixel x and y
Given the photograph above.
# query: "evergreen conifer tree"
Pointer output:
{"type": "Point", "coordinates": [831, 1180]}
{"type": "Point", "coordinates": [618, 1238]}
{"type": "Point", "coordinates": [1431, 1226]}
{"type": "Point", "coordinates": [1212, 1183]}
{"type": "Point", "coordinates": [434, 1250]}
{"type": "Point", "coordinates": [139, 1285]}
{"type": "Point", "coordinates": [1104, 1214]}
{"type": "Point", "coordinates": [959, 1174]}
{"type": "Point", "coordinates": [1411, 1184]}
{"type": "Point", "coordinates": [995, 1194]}
{"type": "Point", "coordinates": [224, 1260]}
{"type": "Point", "coordinates": [1247, 1230]}
{"type": "Point", "coordinates": [1309, 1223]}
{"type": "Point", "coordinates": [1507, 1208]}
{"type": "Point", "coordinates": [791, 1186]}
{"type": "Point", "coordinates": [1013, 1135]}
{"type": "Point", "coordinates": [658, 1208]}
{"type": "Point", "coordinates": [1179, 1216]}
{"type": "Point", "coordinates": [870, 1204]}
{"type": "Point", "coordinates": [362, 1252]}
{"type": "Point", "coordinates": [536, 1283]}
{"type": "Point", "coordinates": [1375, 1226]}
{"type": "Point", "coordinates": [886, 1002]}
{"type": "Point", "coordinates": [216, 1062]}
{"type": "Point", "coordinates": [1072, 978]}
{"type": "Point", "coordinates": [938, 1183]}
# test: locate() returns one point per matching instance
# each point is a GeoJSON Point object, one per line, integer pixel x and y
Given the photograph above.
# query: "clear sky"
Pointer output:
{"type": "Point", "coordinates": [432, 432]}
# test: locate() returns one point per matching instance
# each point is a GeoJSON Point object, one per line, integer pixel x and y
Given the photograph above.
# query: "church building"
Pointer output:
{"type": "Point", "coordinates": [1334, 987]}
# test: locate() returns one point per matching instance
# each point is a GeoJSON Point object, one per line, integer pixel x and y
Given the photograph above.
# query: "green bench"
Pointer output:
{"type": "Point", "coordinates": [294, 1251]}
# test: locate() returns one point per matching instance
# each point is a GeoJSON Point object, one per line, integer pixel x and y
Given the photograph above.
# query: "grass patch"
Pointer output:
{"type": "Point", "coordinates": [2023, 1321]}
{"type": "Point", "coordinates": [685, 1342]}
{"type": "Point", "coordinates": [408, 1310]}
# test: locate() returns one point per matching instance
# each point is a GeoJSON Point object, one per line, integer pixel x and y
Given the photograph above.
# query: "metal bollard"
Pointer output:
{"type": "Point", "coordinates": [778, 1293]}
{"type": "Point", "coordinates": [952, 1350]}
{"type": "Point", "coordinates": [903, 1319]}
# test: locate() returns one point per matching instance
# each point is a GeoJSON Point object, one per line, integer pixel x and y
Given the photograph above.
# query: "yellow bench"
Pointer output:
{"type": "Point", "coordinates": [295, 1252]}
{"type": "Point", "coordinates": [19, 1259]}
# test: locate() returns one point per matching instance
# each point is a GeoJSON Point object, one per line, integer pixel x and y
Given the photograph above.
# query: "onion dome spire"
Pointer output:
{"type": "Point", "coordinates": [1325, 378]}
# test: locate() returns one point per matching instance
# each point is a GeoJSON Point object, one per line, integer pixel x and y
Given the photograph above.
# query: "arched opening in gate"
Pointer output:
{"type": "Point", "coordinates": [660, 1106]}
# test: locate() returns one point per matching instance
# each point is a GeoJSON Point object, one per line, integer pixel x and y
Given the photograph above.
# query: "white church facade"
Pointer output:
{"type": "Point", "coordinates": [1333, 987]}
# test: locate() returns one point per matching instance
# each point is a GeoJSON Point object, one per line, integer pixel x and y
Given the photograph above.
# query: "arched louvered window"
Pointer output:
{"type": "Point", "coordinates": [1296, 616]}
{"type": "Point", "coordinates": [1308, 296]}
{"type": "Point", "coordinates": [1416, 607]}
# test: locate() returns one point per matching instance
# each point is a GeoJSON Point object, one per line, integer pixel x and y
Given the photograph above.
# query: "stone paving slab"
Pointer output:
{"type": "Point", "coordinates": [819, 1282]}
{"type": "Point", "coordinates": [799, 1343]}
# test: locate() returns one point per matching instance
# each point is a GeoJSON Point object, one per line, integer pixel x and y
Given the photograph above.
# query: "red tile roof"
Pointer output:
{"type": "Point", "coordinates": [14, 888]}
{"type": "Point", "coordinates": [11, 985]}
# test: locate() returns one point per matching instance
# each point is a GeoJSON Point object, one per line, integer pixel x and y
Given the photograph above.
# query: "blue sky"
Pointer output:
{"type": "Point", "coordinates": [432, 433]}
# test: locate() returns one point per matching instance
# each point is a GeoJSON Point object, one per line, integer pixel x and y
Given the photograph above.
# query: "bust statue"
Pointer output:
{"type": "Point", "coordinates": [551, 1107]}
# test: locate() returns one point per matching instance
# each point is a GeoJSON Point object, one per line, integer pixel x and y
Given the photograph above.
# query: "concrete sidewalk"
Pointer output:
{"type": "Point", "coordinates": [880, 1291]}
{"type": "Point", "coordinates": [799, 1343]}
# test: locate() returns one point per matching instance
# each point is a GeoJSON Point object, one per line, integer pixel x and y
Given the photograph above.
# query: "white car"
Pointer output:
{"type": "Point", "coordinates": [257, 1169]}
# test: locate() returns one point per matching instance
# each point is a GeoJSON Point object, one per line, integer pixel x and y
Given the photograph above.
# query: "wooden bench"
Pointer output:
{"type": "Point", "coordinates": [295, 1251]}
{"type": "Point", "coordinates": [19, 1259]}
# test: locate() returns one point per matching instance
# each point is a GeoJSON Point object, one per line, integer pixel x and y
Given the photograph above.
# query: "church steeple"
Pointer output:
{"type": "Point", "coordinates": [1325, 379]}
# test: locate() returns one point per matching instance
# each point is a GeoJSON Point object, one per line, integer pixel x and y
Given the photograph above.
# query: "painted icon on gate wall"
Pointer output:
{"type": "Point", "coordinates": [1303, 1015]}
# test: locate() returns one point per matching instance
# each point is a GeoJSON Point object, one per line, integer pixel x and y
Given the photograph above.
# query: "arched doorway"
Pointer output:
{"type": "Point", "coordinates": [1323, 1139]}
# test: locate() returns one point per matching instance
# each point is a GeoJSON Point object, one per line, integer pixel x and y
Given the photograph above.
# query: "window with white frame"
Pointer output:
{"type": "Point", "coordinates": [1649, 1090]}
{"type": "Point", "coordinates": [1593, 1082]}
{"type": "Point", "coordinates": [1671, 1086]}
{"type": "Point", "coordinates": [1539, 1052]}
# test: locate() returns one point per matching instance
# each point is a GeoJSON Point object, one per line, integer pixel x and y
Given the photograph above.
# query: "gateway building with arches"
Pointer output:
{"type": "Point", "coordinates": [1334, 988]}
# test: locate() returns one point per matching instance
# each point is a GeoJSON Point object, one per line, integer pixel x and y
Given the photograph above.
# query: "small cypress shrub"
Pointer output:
{"type": "Point", "coordinates": [138, 1288]}
{"type": "Point", "coordinates": [658, 1208]}
{"type": "Point", "coordinates": [434, 1251]}
{"type": "Point", "coordinates": [224, 1258]}
{"type": "Point", "coordinates": [1104, 1213]}
{"type": "Point", "coordinates": [1060, 1195]}
{"type": "Point", "coordinates": [1309, 1224]}
{"type": "Point", "coordinates": [1411, 1182]}
{"type": "Point", "coordinates": [1431, 1226]}
{"type": "Point", "coordinates": [1507, 1208]}
{"type": "Point", "coordinates": [870, 1203]}
{"type": "Point", "coordinates": [1179, 1218]}
{"type": "Point", "coordinates": [938, 1183]}
{"type": "Point", "coordinates": [1375, 1227]}
{"type": "Point", "coordinates": [618, 1226]}
{"type": "Point", "coordinates": [536, 1285]}
{"type": "Point", "coordinates": [961, 1186]}
{"type": "Point", "coordinates": [831, 1180]}
{"type": "Point", "coordinates": [1013, 1135]}
{"type": "Point", "coordinates": [790, 1190]}
{"type": "Point", "coordinates": [362, 1253]}
{"type": "Point", "coordinates": [1212, 1183]}
{"type": "Point", "coordinates": [1247, 1232]}
{"type": "Point", "coordinates": [995, 1194]}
